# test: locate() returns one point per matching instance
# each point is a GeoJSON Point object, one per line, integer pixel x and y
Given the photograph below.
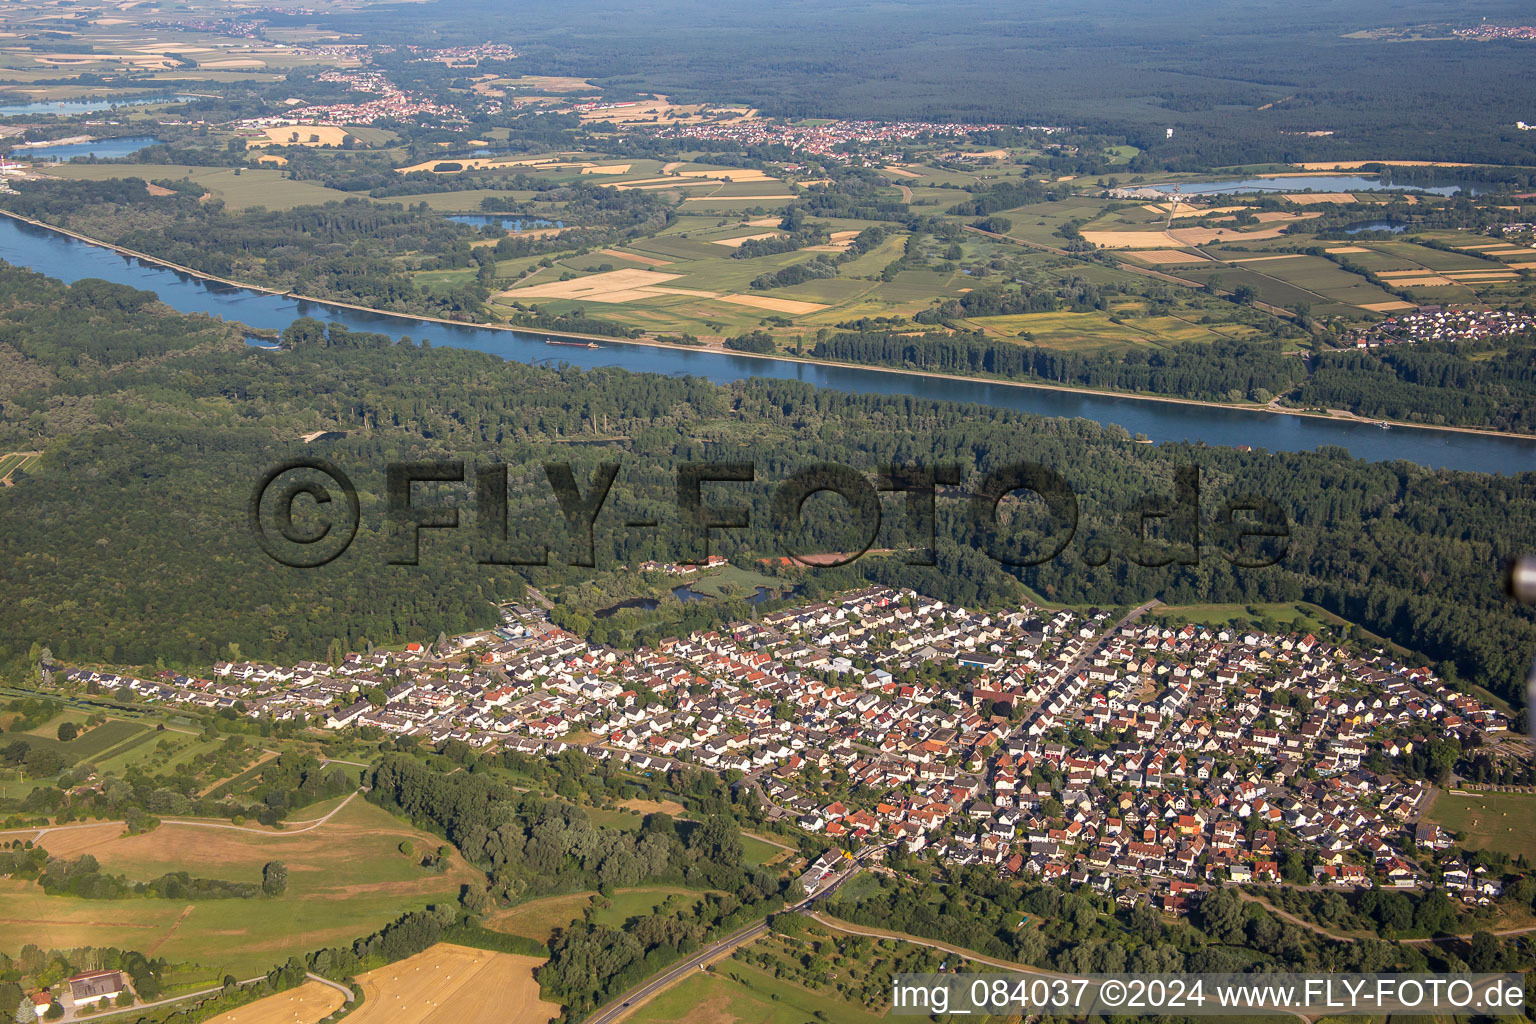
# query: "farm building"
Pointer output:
{"type": "Point", "coordinates": [93, 986]}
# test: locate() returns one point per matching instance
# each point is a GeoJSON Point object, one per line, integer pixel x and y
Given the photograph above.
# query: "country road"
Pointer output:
{"type": "Point", "coordinates": [621, 1006]}
{"type": "Point", "coordinates": [308, 826]}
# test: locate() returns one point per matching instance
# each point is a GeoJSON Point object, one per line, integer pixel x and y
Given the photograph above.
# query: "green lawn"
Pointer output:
{"type": "Point", "coordinates": [643, 902]}
{"type": "Point", "coordinates": [1294, 616]}
{"type": "Point", "coordinates": [742, 581]}
{"type": "Point", "coordinates": [735, 993]}
{"type": "Point", "coordinates": [1489, 821]}
{"type": "Point", "coordinates": [756, 852]}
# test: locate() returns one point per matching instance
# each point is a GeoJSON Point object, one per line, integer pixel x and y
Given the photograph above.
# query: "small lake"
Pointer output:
{"type": "Point", "coordinates": [1377, 225]}
{"type": "Point", "coordinates": [643, 603]}
{"type": "Point", "coordinates": [64, 108]}
{"type": "Point", "coordinates": [105, 149]}
{"type": "Point", "coordinates": [1306, 183]}
{"type": "Point", "coordinates": [510, 223]}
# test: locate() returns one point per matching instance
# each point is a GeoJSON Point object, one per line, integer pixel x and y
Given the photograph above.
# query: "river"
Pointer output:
{"type": "Point", "coordinates": [70, 260]}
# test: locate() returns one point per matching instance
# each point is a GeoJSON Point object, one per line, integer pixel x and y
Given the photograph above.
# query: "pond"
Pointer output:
{"type": "Point", "coordinates": [510, 223]}
{"type": "Point", "coordinates": [1305, 183]}
{"type": "Point", "coordinates": [1377, 225]}
{"type": "Point", "coordinates": [64, 108]}
{"type": "Point", "coordinates": [106, 149]}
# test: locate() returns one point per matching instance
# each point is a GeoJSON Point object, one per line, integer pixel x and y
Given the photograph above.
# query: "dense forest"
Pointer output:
{"type": "Point", "coordinates": [1474, 384]}
{"type": "Point", "coordinates": [129, 542]}
{"type": "Point", "coordinates": [1088, 933]}
{"type": "Point", "coordinates": [1219, 371]}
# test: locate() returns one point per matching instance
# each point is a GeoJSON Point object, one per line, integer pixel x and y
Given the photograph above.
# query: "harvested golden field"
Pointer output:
{"type": "Point", "coordinates": [660, 110]}
{"type": "Point", "coordinates": [450, 984]}
{"type": "Point", "coordinates": [1422, 282]}
{"type": "Point", "coordinates": [838, 242]}
{"type": "Point", "coordinates": [729, 174]}
{"type": "Point", "coordinates": [303, 1005]}
{"type": "Point", "coordinates": [1482, 275]}
{"type": "Point", "coordinates": [1179, 238]}
{"type": "Point", "coordinates": [1263, 259]}
{"type": "Point", "coordinates": [1309, 198]}
{"type": "Point", "coordinates": [607, 169]}
{"type": "Point", "coordinates": [777, 305]}
{"type": "Point", "coordinates": [301, 135]}
{"type": "Point", "coordinates": [595, 287]}
{"type": "Point", "coordinates": [901, 172]}
{"type": "Point", "coordinates": [671, 807]}
{"type": "Point", "coordinates": [1165, 256]}
{"type": "Point", "coordinates": [1344, 249]}
{"type": "Point", "coordinates": [1388, 307]}
{"type": "Point", "coordinates": [649, 261]}
{"type": "Point", "coordinates": [737, 243]}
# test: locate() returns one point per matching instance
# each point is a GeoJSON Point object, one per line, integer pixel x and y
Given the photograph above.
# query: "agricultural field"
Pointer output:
{"type": "Point", "coordinates": [346, 878]}
{"type": "Point", "coordinates": [239, 188]}
{"type": "Point", "coordinates": [540, 919]}
{"type": "Point", "coordinates": [13, 462]}
{"type": "Point", "coordinates": [306, 1004]}
{"type": "Point", "coordinates": [1505, 822]}
{"type": "Point", "coordinates": [751, 997]}
{"type": "Point", "coordinates": [449, 984]}
{"type": "Point", "coordinates": [1120, 329]}
{"type": "Point", "coordinates": [322, 135]}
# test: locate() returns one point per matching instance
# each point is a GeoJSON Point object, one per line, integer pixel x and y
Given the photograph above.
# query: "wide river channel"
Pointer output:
{"type": "Point", "coordinates": [67, 258]}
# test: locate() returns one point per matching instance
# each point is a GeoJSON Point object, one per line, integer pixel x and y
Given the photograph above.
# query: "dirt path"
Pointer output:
{"type": "Point", "coordinates": [1344, 937]}
{"type": "Point", "coordinates": [309, 826]}
{"type": "Point", "coordinates": [162, 940]}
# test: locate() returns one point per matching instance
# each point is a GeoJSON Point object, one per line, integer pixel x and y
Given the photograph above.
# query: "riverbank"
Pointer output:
{"type": "Point", "coordinates": [606, 340]}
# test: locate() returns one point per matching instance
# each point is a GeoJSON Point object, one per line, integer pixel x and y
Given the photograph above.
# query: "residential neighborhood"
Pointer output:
{"type": "Point", "coordinates": [1109, 752]}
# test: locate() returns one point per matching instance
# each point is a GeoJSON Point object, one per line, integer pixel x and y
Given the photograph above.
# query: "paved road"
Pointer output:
{"type": "Point", "coordinates": [621, 1006]}
{"type": "Point", "coordinates": [309, 826]}
{"type": "Point", "coordinates": [69, 1015]}
{"type": "Point", "coordinates": [1090, 650]}
{"type": "Point", "coordinates": [338, 986]}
